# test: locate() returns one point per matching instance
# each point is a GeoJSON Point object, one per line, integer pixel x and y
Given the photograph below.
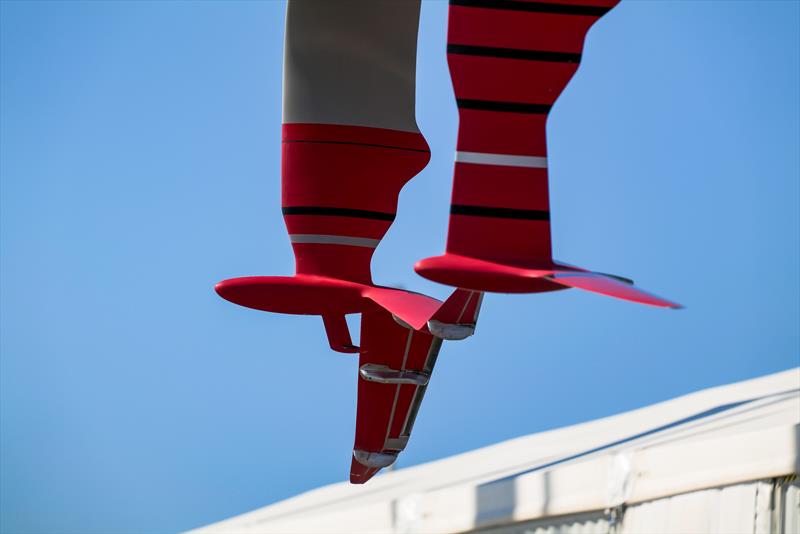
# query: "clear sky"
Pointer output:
{"type": "Point", "coordinates": [140, 165]}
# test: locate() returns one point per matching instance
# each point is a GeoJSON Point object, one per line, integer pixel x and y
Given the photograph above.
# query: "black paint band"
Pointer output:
{"type": "Point", "coordinates": [508, 107]}
{"type": "Point", "coordinates": [501, 213]}
{"type": "Point", "coordinates": [370, 145]}
{"type": "Point", "coordinates": [535, 7]}
{"type": "Point", "coordinates": [338, 212]}
{"type": "Point", "coordinates": [514, 53]}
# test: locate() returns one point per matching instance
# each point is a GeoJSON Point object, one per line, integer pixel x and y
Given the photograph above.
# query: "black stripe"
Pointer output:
{"type": "Point", "coordinates": [514, 53]}
{"type": "Point", "coordinates": [620, 278]}
{"type": "Point", "coordinates": [357, 144]}
{"type": "Point", "coordinates": [338, 212]}
{"type": "Point", "coordinates": [535, 7]}
{"type": "Point", "coordinates": [502, 213]}
{"type": "Point", "coordinates": [512, 107]}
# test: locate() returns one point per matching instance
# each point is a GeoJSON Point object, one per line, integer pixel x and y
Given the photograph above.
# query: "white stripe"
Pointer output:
{"type": "Point", "coordinates": [320, 239]}
{"type": "Point", "coordinates": [506, 160]}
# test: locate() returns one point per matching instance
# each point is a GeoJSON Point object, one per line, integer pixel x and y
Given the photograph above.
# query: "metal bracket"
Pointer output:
{"type": "Point", "coordinates": [376, 460]}
{"type": "Point", "coordinates": [383, 374]}
{"type": "Point", "coordinates": [450, 332]}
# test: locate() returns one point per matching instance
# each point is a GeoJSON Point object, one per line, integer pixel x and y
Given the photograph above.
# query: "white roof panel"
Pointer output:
{"type": "Point", "coordinates": [715, 437]}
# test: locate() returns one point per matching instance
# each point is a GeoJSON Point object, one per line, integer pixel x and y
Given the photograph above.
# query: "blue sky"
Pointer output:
{"type": "Point", "coordinates": [139, 156]}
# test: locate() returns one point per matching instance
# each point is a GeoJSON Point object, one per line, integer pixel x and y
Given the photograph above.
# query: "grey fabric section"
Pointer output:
{"type": "Point", "coordinates": [351, 62]}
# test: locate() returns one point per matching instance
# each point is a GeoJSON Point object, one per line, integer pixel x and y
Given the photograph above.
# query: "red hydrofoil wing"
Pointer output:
{"type": "Point", "coordinates": [340, 190]}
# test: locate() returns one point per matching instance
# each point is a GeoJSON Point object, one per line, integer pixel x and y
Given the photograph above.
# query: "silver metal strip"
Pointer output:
{"type": "Point", "coordinates": [397, 388]}
{"type": "Point", "coordinates": [478, 307]}
{"type": "Point", "coordinates": [469, 299]}
{"type": "Point", "coordinates": [321, 239]}
{"type": "Point", "coordinates": [419, 393]}
{"type": "Point", "coordinates": [505, 160]}
{"type": "Point", "coordinates": [397, 444]}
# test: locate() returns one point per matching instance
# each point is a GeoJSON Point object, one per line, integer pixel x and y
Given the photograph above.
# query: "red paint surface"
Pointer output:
{"type": "Point", "coordinates": [518, 29]}
{"type": "Point", "coordinates": [520, 134]}
{"type": "Point", "coordinates": [523, 188]}
{"type": "Point", "coordinates": [352, 167]}
{"type": "Point", "coordinates": [489, 78]}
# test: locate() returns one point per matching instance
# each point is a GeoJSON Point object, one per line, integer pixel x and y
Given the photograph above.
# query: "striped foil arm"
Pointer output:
{"type": "Point", "coordinates": [340, 186]}
{"type": "Point", "coordinates": [509, 61]}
